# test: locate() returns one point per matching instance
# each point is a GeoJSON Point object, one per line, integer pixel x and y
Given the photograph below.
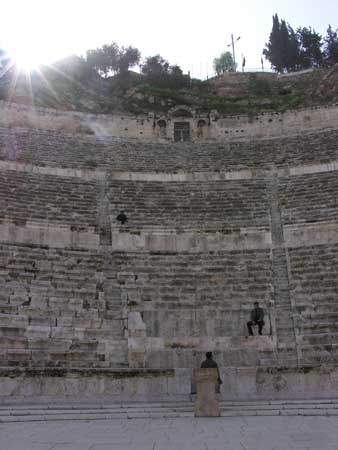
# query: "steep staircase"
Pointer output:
{"type": "Point", "coordinates": [285, 330]}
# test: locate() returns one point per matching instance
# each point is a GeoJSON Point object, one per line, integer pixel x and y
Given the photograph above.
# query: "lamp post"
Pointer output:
{"type": "Point", "coordinates": [233, 42]}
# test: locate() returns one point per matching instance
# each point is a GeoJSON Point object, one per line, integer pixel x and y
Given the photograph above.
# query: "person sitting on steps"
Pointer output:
{"type": "Point", "coordinates": [256, 318]}
{"type": "Point", "coordinates": [122, 218]}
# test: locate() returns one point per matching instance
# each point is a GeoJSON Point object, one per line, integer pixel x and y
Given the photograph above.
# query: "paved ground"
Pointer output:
{"type": "Point", "coordinates": [233, 433]}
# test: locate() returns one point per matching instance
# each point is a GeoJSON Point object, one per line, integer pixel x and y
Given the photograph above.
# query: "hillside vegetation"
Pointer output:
{"type": "Point", "coordinates": [68, 85]}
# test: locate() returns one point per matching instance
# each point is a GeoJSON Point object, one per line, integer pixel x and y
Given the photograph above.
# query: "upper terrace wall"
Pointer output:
{"type": "Point", "coordinates": [213, 126]}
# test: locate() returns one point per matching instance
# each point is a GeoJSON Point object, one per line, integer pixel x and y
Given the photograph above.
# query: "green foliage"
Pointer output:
{"type": "Point", "coordinates": [310, 48]}
{"type": "Point", "coordinates": [224, 63]}
{"type": "Point", "coordinates": [112, 59]}
{"type": "Point", "coordinates": [273, 49]}
{"type": "Point", "coordinates": [282, 50]}
{"type": "Point", "coordinates": [331, 47]}
{"type": "Point", "coordinates": [104, 59]}
{"type": "Point", "coordinates": [155, 66]}
{"type": "Point", "coordinates": [128, 57]}
{"type": "Point", "coordinates": [289, 51]}
{"type": "Point", "coordinates": [259, 87]}
{"type": "Point", "coordinates": [160, 73]}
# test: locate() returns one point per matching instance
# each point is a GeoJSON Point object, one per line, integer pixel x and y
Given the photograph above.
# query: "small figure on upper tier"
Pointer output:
{"type": "Point", "coordinates": [256, 318]}
{"type": "Point", "coordinates": [209, 363]}
{"type": "Point", "coordinates": [122, 218]}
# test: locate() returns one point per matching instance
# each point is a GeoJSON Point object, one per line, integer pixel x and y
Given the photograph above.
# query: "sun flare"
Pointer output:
{"type": "Point", "coordinates": [25, 58]}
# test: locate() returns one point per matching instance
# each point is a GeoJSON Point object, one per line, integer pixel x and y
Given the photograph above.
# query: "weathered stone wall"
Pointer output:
{"type": "Point", "coordinates": [252, 383]}
{"type": "Point", "coordinates": [213, 126]}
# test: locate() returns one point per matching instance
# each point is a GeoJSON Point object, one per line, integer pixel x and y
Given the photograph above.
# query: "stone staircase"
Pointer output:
{"type": "Point", "coordinates": [286, 339]}
{"type": "Point", "coordinates": [162, 410]}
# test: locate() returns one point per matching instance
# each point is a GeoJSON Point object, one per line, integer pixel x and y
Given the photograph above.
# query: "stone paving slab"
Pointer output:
{"type": "Point", "coordinates": [233, 433]}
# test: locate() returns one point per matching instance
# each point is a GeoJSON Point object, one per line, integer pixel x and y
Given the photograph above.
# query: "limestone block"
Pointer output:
{"type": "Point", "coordinates": [19, 355]}
{"type": "Point", "coordinates": [49, 344]}
{"type": "Point", "coordinates": [136, 352]}
{"type": "Point", "coordinates": [38, 332]}
{"type": "Point", "coordinates": [15, 320]}
{"type": "Point", "coordinates": [13, 343]}
{"type": "Point", "coordinates": [65, 321]}
{"type": "Point", "coordinates": [136, 326]}
{"type": "Point", "coordinates": [62, 332]}
{"type": "Point", "coordinates": [206, 403]}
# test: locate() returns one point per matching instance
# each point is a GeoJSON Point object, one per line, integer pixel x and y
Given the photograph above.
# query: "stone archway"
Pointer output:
{"type": "Point", "coordinates": [181, 112]}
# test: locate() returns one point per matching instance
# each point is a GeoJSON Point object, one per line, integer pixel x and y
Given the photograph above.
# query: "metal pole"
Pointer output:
{"type": "Point", "coordinates": [233, 51]}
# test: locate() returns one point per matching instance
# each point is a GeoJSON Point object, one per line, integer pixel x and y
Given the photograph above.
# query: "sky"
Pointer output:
{"type": "Point", "coordinates": [187, 33]}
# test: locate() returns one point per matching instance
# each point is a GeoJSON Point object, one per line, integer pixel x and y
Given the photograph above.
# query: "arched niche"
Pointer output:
{"type": "Point", "coordinates": [201, 125]}
{"type": "Point", "coordinates": [161, 127]}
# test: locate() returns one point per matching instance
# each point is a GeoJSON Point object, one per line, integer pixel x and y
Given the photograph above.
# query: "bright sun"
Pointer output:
{"type": "Point", "coordinates": [25, 58]}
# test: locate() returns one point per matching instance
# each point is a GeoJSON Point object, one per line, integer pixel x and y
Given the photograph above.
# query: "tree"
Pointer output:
{"type": "Point", "coordinates": [292, 49]}
{"type": "Point", "coordinates": [128, 57]}
{"type": "Point", "coordinates": [273, 49]}
{"type": "Point", "coordinates": [310, 48]}
{"type": "Point", "coordinates": [282, 50]}
{"type": "Point", "coordinates": [155, 66]}
{"type": "Point", "coordinates": [177, 79]}
{"type": "Point", "coordinates": [104, 59]}
{"type": "Point", "coordinates": [331, 47]}
{"type": "Point", "coordinates": [112, 59]}
{"type": "Point", "coordinates": [224, 63]}
{"type": "Point", "coordinates": [158, 72]}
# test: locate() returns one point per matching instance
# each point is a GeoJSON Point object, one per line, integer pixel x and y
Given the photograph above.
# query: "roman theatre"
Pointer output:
{"type": "Point", "coordinates": [222, 211]}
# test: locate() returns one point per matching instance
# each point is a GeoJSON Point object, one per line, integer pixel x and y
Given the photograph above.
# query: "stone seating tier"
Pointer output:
{"type": "Point", "coordinates": [309, 198]}
{"type": "Point", "coordinates": [52, 148]}
{"type": "Point", "coordinates": [66, 305]}
{"type": "Point", "coordinates": [69, 308]}
{"type": "Point", "coordinates": [203, 280]}
{"type": "Point", "coordinates": [314, 289]}
{"type": "Point", "coordinates": [26, 197]}
{"type": "Point", "coordinates": [209, 206]}
{"type": "Point", "coordinates": [65, 308]}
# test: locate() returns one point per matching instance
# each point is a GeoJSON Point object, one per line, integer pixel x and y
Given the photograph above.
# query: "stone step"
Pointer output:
{"type": "Point", "coordinates": [179, 409]}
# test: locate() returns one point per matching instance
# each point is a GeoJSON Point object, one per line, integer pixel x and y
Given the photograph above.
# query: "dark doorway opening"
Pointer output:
{"type": "Point", "coordinates": [181, 131]}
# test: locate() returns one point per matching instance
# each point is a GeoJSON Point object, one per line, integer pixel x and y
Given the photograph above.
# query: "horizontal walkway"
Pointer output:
{"type": "Point", "coordinates": [230, 433]}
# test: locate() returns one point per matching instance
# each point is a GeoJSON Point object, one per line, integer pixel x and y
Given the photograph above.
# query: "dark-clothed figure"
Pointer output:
{"type": "Point", "coordinates": [209, 363]}
{"type": "Point", "coordinates": [256, 318]}
{"type": "Point", "coordinates": [122, 218]}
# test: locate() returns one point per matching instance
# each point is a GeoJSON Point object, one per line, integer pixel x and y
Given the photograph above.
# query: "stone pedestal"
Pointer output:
{"type": "Point", "coordinates": [136, 340]}
{"type": "Point", "coordinates": [206, 403]}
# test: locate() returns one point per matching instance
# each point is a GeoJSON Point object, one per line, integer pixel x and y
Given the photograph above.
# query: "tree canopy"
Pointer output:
{"type": "Point", "coordinates": [331, 47]}
{"type": "Point", "coordinates": [283, 47]}
{"type": "Point", "coordinates": [288, 50]}
{"type": "Point", "coordinates": [310, 45]}
{"type": "Point", "coordinates": [113, 59]}
{"type": "Point", "coordinates": [159, 72]}
{"type": "Point", "coordinates": [224, 63]}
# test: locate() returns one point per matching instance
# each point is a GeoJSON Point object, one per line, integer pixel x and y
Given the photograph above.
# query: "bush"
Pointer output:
{"type": "Point", "coordinates": [259, 87]}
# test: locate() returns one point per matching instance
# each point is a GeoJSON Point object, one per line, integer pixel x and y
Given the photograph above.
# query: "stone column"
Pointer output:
{"type": "Point", "coordinates": [206, 403]}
